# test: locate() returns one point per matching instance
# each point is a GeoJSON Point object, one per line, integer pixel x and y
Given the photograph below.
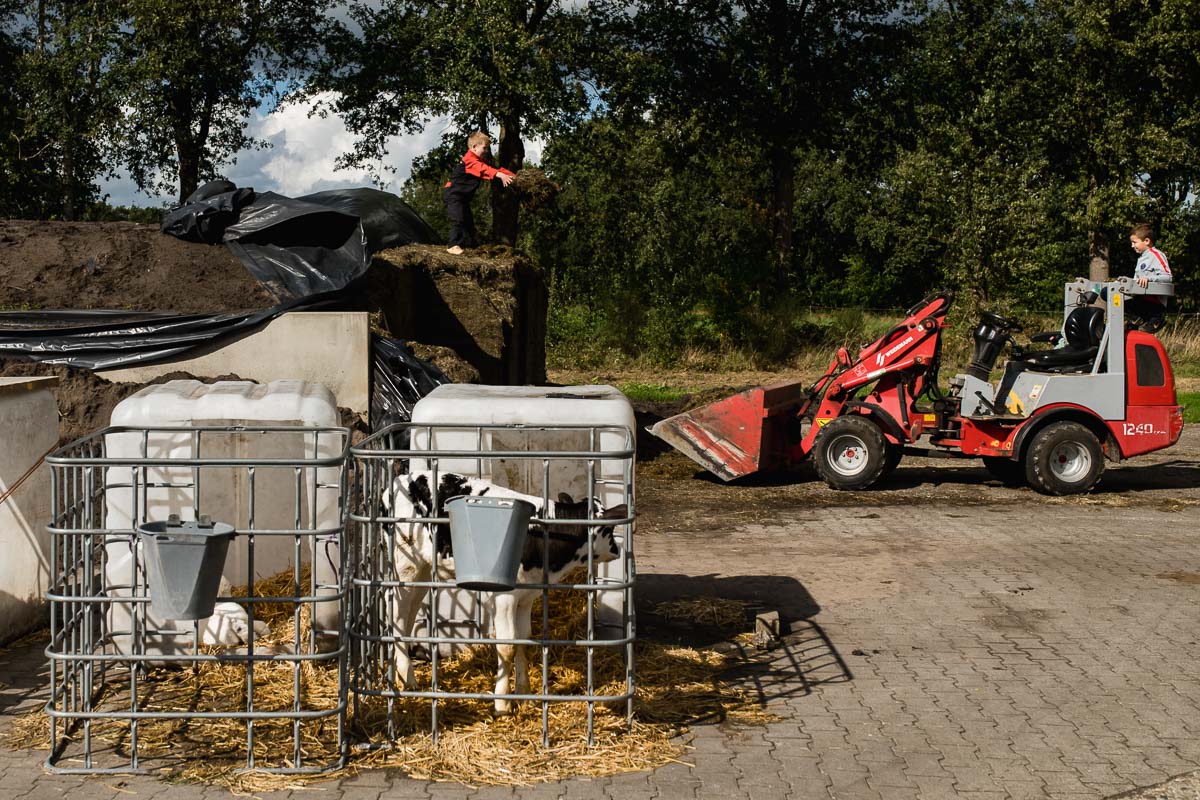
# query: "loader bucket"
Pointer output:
{"type": "Point", "coordinates": [754, 431]}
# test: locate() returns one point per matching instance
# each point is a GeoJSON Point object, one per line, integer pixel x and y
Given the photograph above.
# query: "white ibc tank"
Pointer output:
{"type": "Point", "coordinates": [224, 493]}
{"type": "Point", "coordinates": [531, 406]}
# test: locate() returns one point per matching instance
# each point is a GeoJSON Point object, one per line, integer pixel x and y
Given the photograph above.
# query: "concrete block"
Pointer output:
{"type": "Point", "coordinates": [29, 430]}
{"type": "Point", "coordinates": [332, 348]}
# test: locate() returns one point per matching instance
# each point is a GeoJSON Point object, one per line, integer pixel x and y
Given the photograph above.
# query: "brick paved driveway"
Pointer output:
{"type": "Point", "coordinates": [950, 638]}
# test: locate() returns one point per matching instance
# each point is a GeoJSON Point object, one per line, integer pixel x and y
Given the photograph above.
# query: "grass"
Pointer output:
{"type": "Point", "coordinates": [652, 392]}
{"type": "Point", "coordinates": [1191, 406]}
{"type": "Point", "coordinates": [810, 338]}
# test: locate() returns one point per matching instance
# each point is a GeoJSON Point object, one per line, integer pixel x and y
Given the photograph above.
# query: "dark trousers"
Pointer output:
{"type": "Point", "coordinates": [462, 224]}
{"type": "Point", "coordinates": [1149, 314]}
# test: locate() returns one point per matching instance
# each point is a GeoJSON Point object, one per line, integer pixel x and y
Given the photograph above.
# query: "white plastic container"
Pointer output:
{"type": "Point", "coordinates": [28, 429]}
{"type": "Point", "coordinates": [530, 406]}
{"type": "Point", "coordinates": [224, 493]}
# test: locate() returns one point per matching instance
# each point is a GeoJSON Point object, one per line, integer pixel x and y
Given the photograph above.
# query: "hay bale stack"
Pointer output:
{"type": "Point", "coordinates": [488, 306]}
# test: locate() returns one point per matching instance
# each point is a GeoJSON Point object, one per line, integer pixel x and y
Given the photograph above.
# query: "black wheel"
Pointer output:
{"type": "Point", "coordinates": [1064, 458]}
{"type": "Point", "coordinates": [850, 453]}
{"type": "Point", "coordinates": [891, 458]}
{"type": "Point", "coordinates": [1005, 470]}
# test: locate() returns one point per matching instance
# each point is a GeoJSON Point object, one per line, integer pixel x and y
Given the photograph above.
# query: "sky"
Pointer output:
{"type": "Point", "coordinates": [301, 157]}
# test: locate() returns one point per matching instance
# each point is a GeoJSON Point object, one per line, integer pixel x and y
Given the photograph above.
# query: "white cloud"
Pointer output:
{"type": "Point", "coordinates": [302, 155]}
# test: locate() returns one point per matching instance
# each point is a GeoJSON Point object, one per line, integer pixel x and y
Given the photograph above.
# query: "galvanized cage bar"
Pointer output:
{"type": "Point", "coordinates": [379, 538]}
{"type": "Point", "coordinates": [118, 671]}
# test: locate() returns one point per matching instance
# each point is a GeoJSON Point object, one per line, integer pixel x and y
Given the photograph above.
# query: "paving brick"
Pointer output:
{"type": "Point", "coordinates": [930, 788]}
{"type": "Point", "coordinates": [925, 765]}
{"type": "Point", "coordinates": [851, 786]}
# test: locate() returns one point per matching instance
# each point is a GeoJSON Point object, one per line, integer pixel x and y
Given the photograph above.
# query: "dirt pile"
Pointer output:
{"type": "Point", "coordinates": [85, 400]}
{"type": "Point", "coordinates": [118, 265]}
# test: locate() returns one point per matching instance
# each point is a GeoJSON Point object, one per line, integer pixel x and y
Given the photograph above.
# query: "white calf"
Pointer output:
{"type": "Point", "coordinates": [416, 543]}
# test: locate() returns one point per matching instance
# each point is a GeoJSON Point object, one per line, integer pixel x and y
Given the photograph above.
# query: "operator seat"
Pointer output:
{"type": "Point", "coordinates": [1083, 331]}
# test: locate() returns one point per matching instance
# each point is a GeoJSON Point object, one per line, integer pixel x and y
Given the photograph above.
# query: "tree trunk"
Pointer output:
{"type": "Point", "coordinates": [189, 167]}
{"type": "Point", "coordinates": [68, 181]}
{"type": "Point", "coordinates": [1099, 266]}
{"type": "Point", "coordinates": [783, 197]}
{"type": "Point", "coordinates": [1098, 252]}
{"type": "Point", "coordinates": [505, 202]}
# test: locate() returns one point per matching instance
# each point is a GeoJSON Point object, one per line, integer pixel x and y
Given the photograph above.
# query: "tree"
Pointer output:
{"type": "Point", "coordinates": [61, 103]}
{"type": "Point", "coordinates": [1128, 102]}
{"type": "Point", "coordinates": [192, 75]}
{"type": "Point", "coordinates": [777, 76]}
{"type": "Point", "coordinates": [510, 62]}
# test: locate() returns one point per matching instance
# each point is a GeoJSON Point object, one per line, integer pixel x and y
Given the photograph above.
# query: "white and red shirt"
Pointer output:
{"type": "Point", "coordinates": [469, 173]}
{"type": "Point", "coordinates": [1152, 265]}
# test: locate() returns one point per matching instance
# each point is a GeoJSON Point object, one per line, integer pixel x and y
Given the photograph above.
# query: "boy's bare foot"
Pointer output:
{"type": "Point", "coordinates": [455, 251]}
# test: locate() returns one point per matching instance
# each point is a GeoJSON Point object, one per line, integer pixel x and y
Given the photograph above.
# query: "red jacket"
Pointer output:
{"type": "Point", "coordinates": [469, 173]}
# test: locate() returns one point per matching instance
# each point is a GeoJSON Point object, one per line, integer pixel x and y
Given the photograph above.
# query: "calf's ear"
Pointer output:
{"type": "Point", "coordinates": [565, 498]}
{"type": "Point", "coordinates": [616, 512]}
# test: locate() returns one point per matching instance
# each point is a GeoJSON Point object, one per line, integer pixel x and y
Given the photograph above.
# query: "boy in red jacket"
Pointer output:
{"type": "Point", "coordinates": [464, 180]}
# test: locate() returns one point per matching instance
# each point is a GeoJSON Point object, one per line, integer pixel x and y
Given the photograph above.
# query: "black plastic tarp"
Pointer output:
{"type": "Point", "coordinates": [107, 340]}
{"type": "Point", "coordinates": [303, 245]}
{"type": "Point", "coordinates": [398, 380]}
{"type": "Point", "coordinates": [294, 248]}
{"type": "Point", "coordinates": [387, 220]}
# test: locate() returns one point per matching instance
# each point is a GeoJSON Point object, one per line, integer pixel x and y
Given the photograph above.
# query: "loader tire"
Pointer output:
{"type": "Point", "coordinates": [895, 453]}
{"type": "Point", "coordinates": [1064, 458]}
{"type": "Point", "coordinates": [1005, 470]}
{"type": "Point", "coordinates": [850, 453]}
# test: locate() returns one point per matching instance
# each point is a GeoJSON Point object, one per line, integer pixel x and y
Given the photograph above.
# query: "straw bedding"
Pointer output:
{"type": "Point", "coordinates": [676, 686]}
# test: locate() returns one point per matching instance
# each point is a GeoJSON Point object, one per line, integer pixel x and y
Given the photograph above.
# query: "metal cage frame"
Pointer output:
{"type": "Point", "coordinates": [376, 461]}
{"type": "Point", "coordinates": [92, 681]}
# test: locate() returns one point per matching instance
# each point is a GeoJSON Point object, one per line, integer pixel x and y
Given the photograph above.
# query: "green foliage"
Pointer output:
{"type": "Point", "coordinates": [1191, 406]}
{"type": "Point", "coordinates": [725, 166]}
{"type": "Point", "coordinates": [652, 392]}
{"type": "Point", "coordinates": [103, 212]}
{"type": "Point", "coordinates": [59, 103]}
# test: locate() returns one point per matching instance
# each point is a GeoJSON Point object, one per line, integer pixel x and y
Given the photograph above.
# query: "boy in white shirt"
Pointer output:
{"type": "Point", "coordinates": [1152, 267]}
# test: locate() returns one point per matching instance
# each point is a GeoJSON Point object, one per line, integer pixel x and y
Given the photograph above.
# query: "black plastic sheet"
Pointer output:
{"type": "Point", "coordinates": [206, 213]}
{"type": "Point", "coordinates": [299, 246]}
{"type": "Point", "coordinates": [111, 339]}
{"type": "Point", "coordinates": [387, 220]}
{"type": "Point", "coordinates": [398, 380]}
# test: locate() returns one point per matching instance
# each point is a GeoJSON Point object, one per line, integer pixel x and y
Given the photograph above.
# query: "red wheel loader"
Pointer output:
{"type": "Point", "coordinates": [1096, 391]}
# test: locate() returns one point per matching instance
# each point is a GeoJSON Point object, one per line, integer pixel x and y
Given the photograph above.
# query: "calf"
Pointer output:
{"type": "Point", "coordinates": [417, 542]}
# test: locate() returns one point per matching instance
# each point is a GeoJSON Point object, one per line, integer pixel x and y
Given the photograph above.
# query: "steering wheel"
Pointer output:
{"type": "Point", "coordinates": [1000, 322]}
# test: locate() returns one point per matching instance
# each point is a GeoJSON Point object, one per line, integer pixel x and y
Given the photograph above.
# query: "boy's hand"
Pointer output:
{"type": "Point", "coordinates": [1142, 281]}
{"type": "Point", "coordinates": [505, 178]}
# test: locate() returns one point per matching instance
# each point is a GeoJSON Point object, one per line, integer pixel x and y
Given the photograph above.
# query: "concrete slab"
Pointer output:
{"type": "Point", "coordinates": [28, 431]}
{"type": "Point", "coordinates": [327, 347]}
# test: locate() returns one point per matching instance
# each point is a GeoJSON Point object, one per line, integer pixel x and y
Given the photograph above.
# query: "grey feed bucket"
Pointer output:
{"type": "Point", "coordinates": [184, 562]}
{"type": "Point", "coordinates": [488, 536]}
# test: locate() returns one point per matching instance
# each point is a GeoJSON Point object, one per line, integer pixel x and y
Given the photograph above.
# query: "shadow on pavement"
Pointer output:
{"type": "Point", "coordinates": [24, 674]}
{"type": "Point", "coordinates": [804, 657]}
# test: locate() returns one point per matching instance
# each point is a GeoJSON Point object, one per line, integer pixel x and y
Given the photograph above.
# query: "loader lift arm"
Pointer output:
{"type": "Point", "coordinates": [764, 428]}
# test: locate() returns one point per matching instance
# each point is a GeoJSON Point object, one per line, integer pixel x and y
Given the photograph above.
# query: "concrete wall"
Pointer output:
{"type": "Point", "coordinates": [327, 347]}
{"type": "Point", "coordinates": [28, 430]}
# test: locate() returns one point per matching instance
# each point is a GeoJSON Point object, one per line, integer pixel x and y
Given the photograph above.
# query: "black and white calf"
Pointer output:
{"type": "Point", "coordinates": [411, 497]}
